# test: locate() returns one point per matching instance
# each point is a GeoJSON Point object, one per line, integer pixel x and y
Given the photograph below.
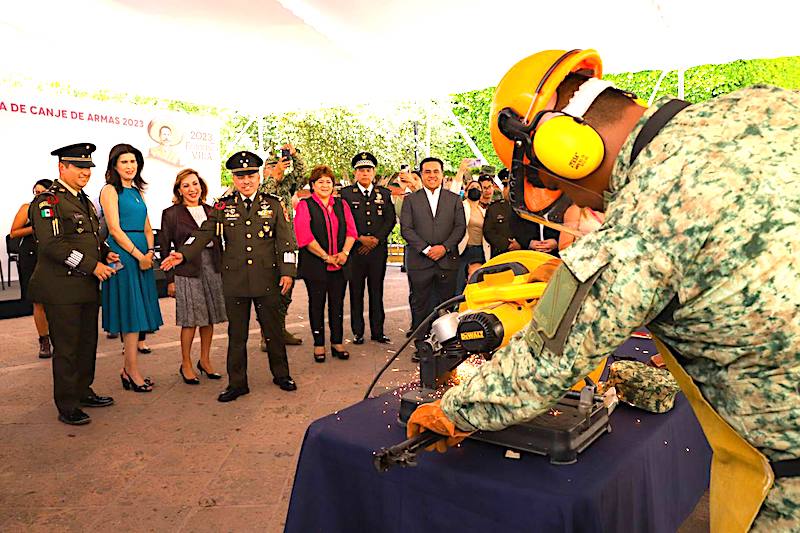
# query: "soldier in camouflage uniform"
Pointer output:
{"type": "Point", "coordinates": [700, 244]}
{"type": "Point", "coordinates": [284, 185]}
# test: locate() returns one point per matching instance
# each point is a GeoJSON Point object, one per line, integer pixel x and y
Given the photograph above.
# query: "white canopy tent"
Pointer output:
{"type": "Point", "coordinates": [277, 55]}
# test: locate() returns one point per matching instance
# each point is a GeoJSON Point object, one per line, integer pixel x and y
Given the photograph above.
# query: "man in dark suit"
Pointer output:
{"type": "Point", "coordinates": [258, 266]}
{"type": "Point", "coordinates": [432, 223]}
{"type": "Point", "coordinates": [375, 217]}
{"type": "Point", "coordinates": [66, 280]}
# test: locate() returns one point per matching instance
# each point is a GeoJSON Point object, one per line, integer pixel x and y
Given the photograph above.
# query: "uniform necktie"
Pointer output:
{"type": "Point", "coordinates": [248, 203]}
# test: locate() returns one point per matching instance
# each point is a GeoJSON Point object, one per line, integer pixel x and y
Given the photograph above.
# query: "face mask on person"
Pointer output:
{"type": "Point", "coordinates": [474, 194]}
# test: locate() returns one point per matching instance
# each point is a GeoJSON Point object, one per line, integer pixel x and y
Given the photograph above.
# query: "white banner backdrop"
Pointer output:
{"type": "Point", "coordinates": [32, 125]}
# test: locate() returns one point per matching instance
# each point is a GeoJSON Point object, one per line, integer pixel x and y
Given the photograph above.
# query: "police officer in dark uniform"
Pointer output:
{"type": "Point", "coordinates": [70, 265]}
{"type": "Point", "coordinates": [374, 215]}
{"type": "Point", "coordinates": [259, 263]}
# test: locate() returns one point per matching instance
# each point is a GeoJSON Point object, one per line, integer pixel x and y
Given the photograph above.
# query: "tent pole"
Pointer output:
{"type": "Point", "coordinates": [462, 130]}
{"type": "Point", "coordinates": [427, 128]}
{"type": "Point", "coordinates": [658, 86]}
{"type": "Point", "coordinates": [238, 138]}
{"type": "Point", "coordinates": [416, 144]}
{"type": "Point", "coordinates": [261, 135]}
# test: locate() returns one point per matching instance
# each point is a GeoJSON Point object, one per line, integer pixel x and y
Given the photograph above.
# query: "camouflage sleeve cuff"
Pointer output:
{"type": "Point", "coordinates": [451, 406]}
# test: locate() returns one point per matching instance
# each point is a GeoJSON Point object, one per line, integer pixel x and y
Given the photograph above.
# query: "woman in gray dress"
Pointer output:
{"type": "Point", "coordinates": [195, 285]}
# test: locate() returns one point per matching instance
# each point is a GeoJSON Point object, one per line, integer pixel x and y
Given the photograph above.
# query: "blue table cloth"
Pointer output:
{"type": "Point", "coordinates": [645, 476]}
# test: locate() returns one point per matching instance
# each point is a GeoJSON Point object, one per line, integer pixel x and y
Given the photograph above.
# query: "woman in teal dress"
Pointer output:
{"type": "Point", "coordinates": [130, 300]}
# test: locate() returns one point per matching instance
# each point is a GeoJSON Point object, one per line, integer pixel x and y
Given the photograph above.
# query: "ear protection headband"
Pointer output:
{"type": "Point", "coordinates": [563, 142]}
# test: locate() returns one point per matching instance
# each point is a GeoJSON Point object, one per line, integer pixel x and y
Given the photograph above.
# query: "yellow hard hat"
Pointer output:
{"type": "Point", "coordinates": [528, 86]}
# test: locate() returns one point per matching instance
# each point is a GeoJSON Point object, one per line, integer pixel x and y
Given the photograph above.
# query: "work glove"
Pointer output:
{"type": "Point", "coordinates": [545, 271]}
{"type": "Point", "coordinates": [429, 416]}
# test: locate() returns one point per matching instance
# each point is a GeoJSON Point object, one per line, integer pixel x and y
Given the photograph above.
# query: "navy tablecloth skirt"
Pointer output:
{"type": "Point", "coordinates": [645, 476]}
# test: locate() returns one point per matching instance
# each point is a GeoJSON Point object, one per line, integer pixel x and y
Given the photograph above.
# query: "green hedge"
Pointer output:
{"type": "Point", "coordinates": [700, 83]}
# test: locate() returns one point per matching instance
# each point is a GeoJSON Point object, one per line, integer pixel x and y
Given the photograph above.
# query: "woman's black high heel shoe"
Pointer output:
{"type": "Point", "coordinates": [209, 375]}
{"type": "Point", "coordinates": [319, 357]}
{"type": "Point", "coordinates": [129, 384]}
{"type": "Point", "coordinates": [194, 381]}
{"type": "Point", "coordinates": [344, 354]}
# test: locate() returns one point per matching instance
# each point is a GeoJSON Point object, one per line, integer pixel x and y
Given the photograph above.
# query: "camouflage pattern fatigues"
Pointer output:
{"type": "Point", "coordinates": [291, 183]}
{"type": "Point", "coordinates": [706, 219]}
{"type": "Point", "coordinates": [642, 386]}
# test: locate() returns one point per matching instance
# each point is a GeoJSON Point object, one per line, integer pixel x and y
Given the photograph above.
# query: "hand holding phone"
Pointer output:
{"type": "Point", "coordinates": [117, 266]}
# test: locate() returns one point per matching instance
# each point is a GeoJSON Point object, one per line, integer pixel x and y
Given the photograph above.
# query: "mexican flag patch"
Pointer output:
{"type": "Point", "coordinates": [46, 212]}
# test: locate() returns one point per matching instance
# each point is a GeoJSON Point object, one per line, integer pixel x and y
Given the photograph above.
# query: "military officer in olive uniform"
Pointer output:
{"type": "Point", "coordinates": [374, 215]}
{"type": "Point", "coordinates": [258, 266]}
{"type": "Point", "coordinates": [506, 231]}
{"type": "Point", "coordinates": [67, 279]}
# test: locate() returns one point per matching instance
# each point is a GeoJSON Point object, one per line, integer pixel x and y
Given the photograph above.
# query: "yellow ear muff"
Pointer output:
{"type": "Point", "coordinates": [568, 147]}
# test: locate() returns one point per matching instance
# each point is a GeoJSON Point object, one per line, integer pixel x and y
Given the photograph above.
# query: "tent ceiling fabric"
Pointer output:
{"type": "Point", "coordinates": [278, 55]}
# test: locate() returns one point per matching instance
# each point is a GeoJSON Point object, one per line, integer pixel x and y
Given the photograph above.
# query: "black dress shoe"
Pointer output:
{"type": "Point", "coordinates": [415, 357]}
{"type": "Point", "coordinates": [75, 418]}
{"type": "Point", "coordinates": [189, 381]}
{"type": "Point", "coordinates": [286, 383]}
{"type": "Point", "coordinates": [97, 401]}
{"type": "Point", "coordinates": [358, 339]}
{"type": "Point", "coordinates": [209, 375]}
{"type": "Point", "coordinates": [343, 355]}
{"type": "Point", "coordinates": [144, 350]}
{"type": "Point", "coordinates": [383, 339]}
{"type": "Point", "coordinates": [230, 394]}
